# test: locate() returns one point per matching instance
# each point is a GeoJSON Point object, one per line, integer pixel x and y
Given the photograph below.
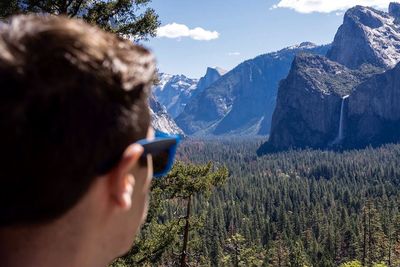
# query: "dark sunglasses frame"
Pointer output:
{"type": "Point", "coordinates": [162, 145]}
{"type": "Point", "coordinates": [162, 149]}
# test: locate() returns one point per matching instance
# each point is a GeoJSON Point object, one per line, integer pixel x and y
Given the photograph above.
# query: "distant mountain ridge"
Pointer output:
{"type": "Point", "coordinates": [241, 102]}
{"type": "Point", "coordinates": [161, 120]}
{"type": "Point", "coordinates": [353, 94]}
{"type": "Point", "coordinates": [175, 91]}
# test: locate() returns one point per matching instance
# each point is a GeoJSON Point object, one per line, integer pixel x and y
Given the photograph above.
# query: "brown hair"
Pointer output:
{"type": "Point", "coordinates": [72, 98]}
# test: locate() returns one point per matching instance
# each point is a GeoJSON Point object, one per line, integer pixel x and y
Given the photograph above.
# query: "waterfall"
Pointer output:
{"type": "Point", "coordinates": [340, 136]}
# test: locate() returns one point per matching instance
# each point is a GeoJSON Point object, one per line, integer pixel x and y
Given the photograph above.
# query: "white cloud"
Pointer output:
{"type": "Point", "coordinates": [327, 6]}
{"type": "Point", "coordinates": [234, 54]}
{"type": "Point", "coordinates": [175, 30]}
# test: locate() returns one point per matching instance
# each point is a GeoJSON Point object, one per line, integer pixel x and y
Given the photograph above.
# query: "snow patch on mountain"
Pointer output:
{"type": "Point", "coordinates": [304, 45]}
{"type": "Point", "coordinates": [174, 91]}
{"type": "Point", "coordinates": [161, 120]}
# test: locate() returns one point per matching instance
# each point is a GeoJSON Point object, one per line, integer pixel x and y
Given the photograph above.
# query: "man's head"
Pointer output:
{"type": "Point", "coordinates": [73, 100]}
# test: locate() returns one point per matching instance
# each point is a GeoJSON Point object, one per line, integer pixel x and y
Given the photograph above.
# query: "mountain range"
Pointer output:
{"type": "Point", "coordinates": [175, 91]}
{"type": "Point", "coordinates": [351, 97]}
{"type": "Point", "coordinates": [342, 95]}
{"type": "Point", "coordinates": [241, 102]}
{"type": "Point", "coordinates": [171, 94]}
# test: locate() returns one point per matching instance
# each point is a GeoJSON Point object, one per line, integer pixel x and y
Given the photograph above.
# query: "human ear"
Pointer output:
{"type": "Point", "coordinates": [122, 180]}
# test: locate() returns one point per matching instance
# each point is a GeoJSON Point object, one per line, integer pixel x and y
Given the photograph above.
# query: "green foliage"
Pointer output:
{"type": "Point", "coordinates": [298, 208]}
{"type": "Point", "coordinates": [160, 239]}
{"type": "Point", "coordinates": [187, 179]}
{"type": "Point", "coordinates": [238, 252]}
{"type": "Point", "coordinates": [128, 18]}
{"type": "Point", "coordinates": [351, 264]}
{"type": "Point", "coordinates": [304, 207]}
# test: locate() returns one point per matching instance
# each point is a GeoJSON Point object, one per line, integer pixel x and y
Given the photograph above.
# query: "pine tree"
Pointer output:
{"type": "Point", "coordinates": [278, 254]}
{"type": "Point", "coordinates": [128, 18]}
{"type": "Point", "coordinates": [186, 181]}
{"type": "Point", "coordinates": [374, 239]}
{"type": "Point", "coordinates": [239, 252]}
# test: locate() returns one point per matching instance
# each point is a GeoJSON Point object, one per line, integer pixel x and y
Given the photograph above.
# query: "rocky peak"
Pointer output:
{"type": "Point", "coordinates": [301, 46]}
{"type": "Point", "coordinates": [215, 72]}
{"type": "Point", "coordinates": [182, 79]}
{"type": "Point", "coordinates": [367, 36]}
{"type": "Point", "coordinates": [394, 11]}
{"type": "Point", "coordinates": [307, 45]}
{"type": "Point", "coordinates": [220, 71]}
{"type": "Point", "coordinates": [366, 16]}
{"type": "Point", "coordinates": [212, 75]}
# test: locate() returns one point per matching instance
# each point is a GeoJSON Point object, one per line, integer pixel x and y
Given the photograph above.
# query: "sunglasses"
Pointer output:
{"type": "Point", "coordinates": [162, 149]}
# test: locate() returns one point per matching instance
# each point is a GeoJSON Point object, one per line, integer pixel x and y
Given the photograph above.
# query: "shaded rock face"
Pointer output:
{"type": "Point", "coordinates": [351, 99]}
{"type": "Point", "coordinates": [394, 11]}
{"type": "Point", "coordinates": [309, 103]}
{"type": "Point", "coordinates": [374, 111]}
{"type": "Point", "coordinates": [161, 120]}
{"type": "Point", "coordinates": [174, 91]}
{"type": "Point", "coordinates": [367, 36]}
{"type": "Point", "coordinates": [242, 101]}
{"type": "Point", "coordinates": [211, 76]}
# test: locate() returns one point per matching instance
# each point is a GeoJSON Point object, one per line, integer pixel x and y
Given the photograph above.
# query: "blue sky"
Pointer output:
{"type": "Point", "coordinates": [236, 30]}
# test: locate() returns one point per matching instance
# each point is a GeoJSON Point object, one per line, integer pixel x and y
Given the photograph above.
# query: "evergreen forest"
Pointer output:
{"type": "Point", "coordinates": [224, 206]}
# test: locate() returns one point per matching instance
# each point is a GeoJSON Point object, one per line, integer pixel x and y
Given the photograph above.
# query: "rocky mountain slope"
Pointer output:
{"type": "Point", "coordinates": [242, 101]}
{"type": "Point", "coordinates": [367, 36]}
{"type": "Point", "coordinates": [175, 91]}
{"type": "Point", "coordinates": [374, 111]}
{"type": "Point", "coordinates": [309, 102]}
{"type": "Point", "coordinates": [161, 120]}
{"type": "Point", "coordinates": [352, 102]}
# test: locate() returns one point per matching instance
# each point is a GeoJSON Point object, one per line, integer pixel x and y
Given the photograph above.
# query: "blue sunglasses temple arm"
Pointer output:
{"type": "Point", "coordinates": [167, 142]}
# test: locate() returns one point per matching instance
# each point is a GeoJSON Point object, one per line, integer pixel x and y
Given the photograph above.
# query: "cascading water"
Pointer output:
{"type": "Point", "coordinates": [340, 136]}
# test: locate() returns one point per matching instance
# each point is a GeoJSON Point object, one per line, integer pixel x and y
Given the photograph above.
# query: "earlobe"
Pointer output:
{"type": "Point", "coordinates": [126, 198]}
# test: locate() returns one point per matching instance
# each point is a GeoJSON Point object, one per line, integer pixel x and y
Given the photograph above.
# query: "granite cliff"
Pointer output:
{"type": "Point", "coordinates": [367, 36]}
{"type": "Point", "coordinates": [349, 99]}
{"type": "Point", "coordinates": [374, 111]}
{"type": "Point", "coordinates": [309, 102]}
